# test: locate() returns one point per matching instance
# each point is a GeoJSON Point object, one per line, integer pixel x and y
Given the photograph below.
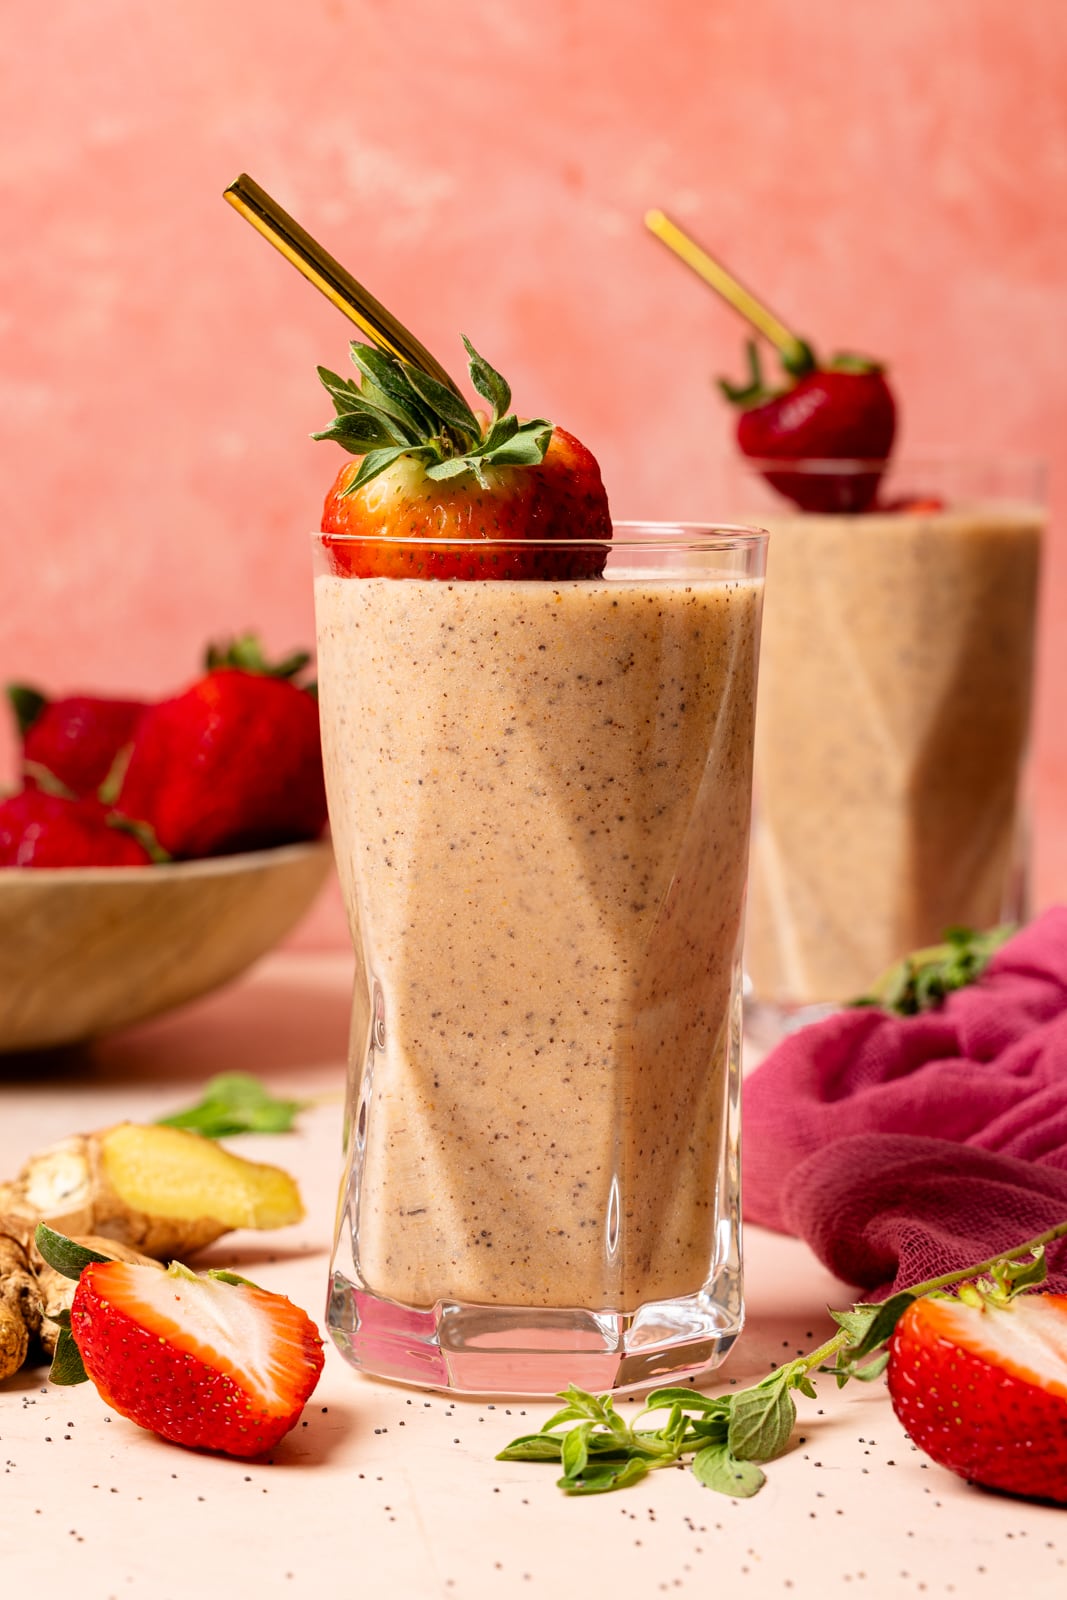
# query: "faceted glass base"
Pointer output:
{"type": "Point", "coordinates": [506, 1350]}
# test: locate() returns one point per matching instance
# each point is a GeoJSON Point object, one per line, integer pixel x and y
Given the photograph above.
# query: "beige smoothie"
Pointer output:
{"type": "Point", "coordinates": [894, 710]}
{"type": "Point", "coordinates": [540, 795]}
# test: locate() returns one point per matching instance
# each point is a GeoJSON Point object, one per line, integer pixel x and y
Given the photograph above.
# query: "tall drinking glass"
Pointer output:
{"type": "Point", "coordinates": [540, 794]}
{"type": "Point", "coordinates": [893, 729]}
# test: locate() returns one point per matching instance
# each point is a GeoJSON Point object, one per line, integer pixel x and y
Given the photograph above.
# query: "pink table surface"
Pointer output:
{"type": "Point", "coordinates": [387, 1490]}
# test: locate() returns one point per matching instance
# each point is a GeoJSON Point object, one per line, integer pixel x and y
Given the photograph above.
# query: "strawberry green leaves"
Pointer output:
{"type": "Point", "coordinates": [69, 1259]}
{"type": "Point", "coordinates": [63, 1254]}
{"type": "Point", "coordinates": [397, 410]}
{"type": "Point", "coordinates": [489, 384]}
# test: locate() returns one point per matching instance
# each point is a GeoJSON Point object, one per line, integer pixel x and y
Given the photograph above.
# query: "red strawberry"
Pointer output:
{"type": "Point", "coordinates": [233, 764]}
{"type": "Point", "coordinates": [210, 1361]}
{"type": "Point", "coordinates": [38, 829]}
{"type": "Point", "coordinates": [429, 469]}
{"type": "Point", "coordinates": [843, 412]}
{"type": "Point", "coordinates": [981, 1387]}
{"type": "Point", "coordinates": [76, 738]}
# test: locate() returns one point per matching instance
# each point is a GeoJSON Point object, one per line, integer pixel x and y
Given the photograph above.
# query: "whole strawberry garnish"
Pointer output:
{"type": "Point", "coordinates": [840, 412]}
{"type": "Point", "coordinates": [429, 469]}
{"type": "Point", "coordinates": [211, 1362]}
{"type": "Point", "coordinates": [232, 764]}
{"type": "Point", "coordinates": [980, 1384]}
{"type": "Point", "coordinates": [40, 829]}
{"type": "Point", "coordinates": [76, 737]}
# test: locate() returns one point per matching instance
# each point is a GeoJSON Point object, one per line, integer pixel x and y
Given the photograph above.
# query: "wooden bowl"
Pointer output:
{"type": "Point", "coordinates": [86, 950]}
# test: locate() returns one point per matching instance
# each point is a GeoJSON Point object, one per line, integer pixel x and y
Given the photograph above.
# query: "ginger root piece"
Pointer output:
{"type": "Point", "coordinates": [20, 1306]}
{"type": "Point", "coordinates": [138, 1192]}
{"type": "Point", "coordinates": [163, 1191]}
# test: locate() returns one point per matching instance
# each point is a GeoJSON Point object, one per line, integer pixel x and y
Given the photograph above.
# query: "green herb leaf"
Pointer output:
{"type": "Point", "coordinates": [235, 1102]}
{"type": "Point", "coordinates": [856, 1321]}
{"type": "Point", "coordinates": [881, 1326]}
{"type": "Point", "coordinates": [575, 1450]}
{"type": "Point", "coordinates": [761, 1420]}
{"type": "Point", "coordinates": [716, 1468]}
{"type": "Point", "coordinates": [533, 1447]}
{"type": "Point", "coordinates": [601, 1477]}
{"type": "Point", "coordinates": [688, 1399]}
{"type": "Point", "coordinates": [63, 1254]}
{"type": "Point", "coordinates": [728, 1434]}
{"type": "Point", "coordinates": [925, 977]}
{"type": "Point", "coordinates": [67, 1367]}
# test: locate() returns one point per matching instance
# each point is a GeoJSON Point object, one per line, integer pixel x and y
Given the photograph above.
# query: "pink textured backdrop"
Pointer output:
{"type": "Point", "coordinates": [893, 177]}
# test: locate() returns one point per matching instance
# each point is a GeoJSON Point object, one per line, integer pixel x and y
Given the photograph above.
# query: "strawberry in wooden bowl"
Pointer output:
{"type": "Point", "coordinates": [198, 849]}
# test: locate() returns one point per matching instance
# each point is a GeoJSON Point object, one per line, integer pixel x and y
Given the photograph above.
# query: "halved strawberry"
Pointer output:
{"type": "Point", "coordinates": [980, 1384]}
{"type": "Point", "coordinates": [429, 469]}
{"type": "Point", "coordinates": [211, 1361]}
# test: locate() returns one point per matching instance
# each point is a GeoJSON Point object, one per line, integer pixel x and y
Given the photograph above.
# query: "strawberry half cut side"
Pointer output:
{"type": "Point", "coordinates": [207, 1361]}
{"type": "Point", "coordinates": [981, 1387]}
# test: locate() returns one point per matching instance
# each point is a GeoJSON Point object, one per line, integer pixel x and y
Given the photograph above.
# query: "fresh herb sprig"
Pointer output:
{"type": "Point", "coordinates": [235, 1102]}
{"type": "Point", "coordinates": [925, 977]}
{"type": "Point", "coordinates": [725, 1438]}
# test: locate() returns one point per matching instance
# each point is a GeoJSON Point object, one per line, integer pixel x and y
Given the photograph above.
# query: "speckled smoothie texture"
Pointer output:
{"type": "Point", "coordinates": [540, 796]}
{"type": "Point", "coordinates": [894, 709]}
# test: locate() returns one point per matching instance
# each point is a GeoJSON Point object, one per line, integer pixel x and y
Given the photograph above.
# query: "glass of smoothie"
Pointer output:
{"type": "Point", "coordinates": [540, 795]}
{"type": "Point", "coordinates": [894, 717]}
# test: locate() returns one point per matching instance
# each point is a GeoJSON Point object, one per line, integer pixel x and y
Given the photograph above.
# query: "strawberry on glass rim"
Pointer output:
{"type": "Point", "coordinates": [439, 492]}
{"type": "Point", "coordinates": [819, 415]}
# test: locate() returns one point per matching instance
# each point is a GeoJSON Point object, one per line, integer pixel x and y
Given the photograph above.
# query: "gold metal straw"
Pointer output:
{"type": "Point", "coordinates": [735, 294]}
{"type": "Point", "coordinates": [329, 277]}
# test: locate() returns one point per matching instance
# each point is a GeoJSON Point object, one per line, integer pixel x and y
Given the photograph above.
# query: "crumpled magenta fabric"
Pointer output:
{"type": "Point", "coordinates": [904, 1147]}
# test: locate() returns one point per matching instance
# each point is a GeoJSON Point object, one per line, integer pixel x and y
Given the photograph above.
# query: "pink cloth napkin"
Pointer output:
{"type": "Point", "coordinates": [904, 1147]}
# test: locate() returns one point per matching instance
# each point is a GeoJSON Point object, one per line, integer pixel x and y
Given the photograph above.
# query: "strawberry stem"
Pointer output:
{"type": "Point", "coordinates": [844, 1337]}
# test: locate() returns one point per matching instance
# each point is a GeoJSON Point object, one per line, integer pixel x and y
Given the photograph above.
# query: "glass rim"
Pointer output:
{"type": "Point", "coordinates": [639, 536]}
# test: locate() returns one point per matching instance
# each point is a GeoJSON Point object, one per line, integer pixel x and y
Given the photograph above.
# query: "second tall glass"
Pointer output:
{"type": "Point", "coordinates": [894, 719]}
{"type": "Point", "coordinates": [540, 795]}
